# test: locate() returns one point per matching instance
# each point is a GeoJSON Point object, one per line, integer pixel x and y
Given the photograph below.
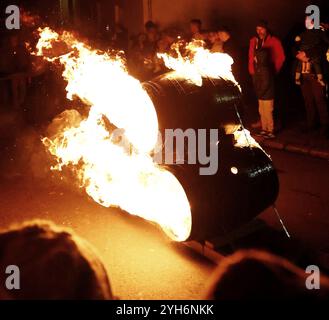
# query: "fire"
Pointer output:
{"type": "Point", "coordinates": [115, 170]}
{"type": "Point", "coordinates": [194, 62]}
{"type": "Point", "coordinates": [244, 139]}
{"type": "Point", "coordinates": [47, 36]}
{"type": "Point", "coordinates": [103, 82]}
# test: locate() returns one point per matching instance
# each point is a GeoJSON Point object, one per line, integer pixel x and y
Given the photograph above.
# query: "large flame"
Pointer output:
{"type": "Point", "coordinates": [111, 173]}
{"type": "Point", "coordinates": [193, 62]}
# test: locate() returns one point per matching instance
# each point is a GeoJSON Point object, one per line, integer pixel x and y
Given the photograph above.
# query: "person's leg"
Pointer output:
{"type": "Point", "coordinates": [257, 125]}
{"type": "Point", "coordinates": [298, 73]}
{"type": "Point", "coordinates": [321, 104]}
{"type": "Point", "coordinates": [256, 83]}
{"type": "Point", "coordinates": [306, 88]}
{"type": "Point", "coordinates": [261, 109]}
{"type": "Point", "coordinates": [268, 115]}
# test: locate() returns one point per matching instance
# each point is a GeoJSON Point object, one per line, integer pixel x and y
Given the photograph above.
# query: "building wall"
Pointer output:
{"type": "Point", "coordinates": [239, 15]}
{"type": "Point", "coordinates": [132, 15]}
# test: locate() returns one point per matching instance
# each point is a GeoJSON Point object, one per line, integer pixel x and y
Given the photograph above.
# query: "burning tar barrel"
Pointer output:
{"type": "Point", "coordinates": [181, 104]}
{"type": "Point", "coordinates": [245, 183]}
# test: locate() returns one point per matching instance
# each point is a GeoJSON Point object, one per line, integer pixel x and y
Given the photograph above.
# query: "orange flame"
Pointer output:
{"type": "Point", "coordinates": [194, 62]}
{"type": "Point", "coordinates": [113, 175]}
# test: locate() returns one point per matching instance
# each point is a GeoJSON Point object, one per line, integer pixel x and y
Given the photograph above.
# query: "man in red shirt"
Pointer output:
{"type": "Point", "coordinates": [266, 57]}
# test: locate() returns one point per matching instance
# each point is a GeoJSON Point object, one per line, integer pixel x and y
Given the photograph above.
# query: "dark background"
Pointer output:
{"type": "Point", "coordinates": [98, 19]}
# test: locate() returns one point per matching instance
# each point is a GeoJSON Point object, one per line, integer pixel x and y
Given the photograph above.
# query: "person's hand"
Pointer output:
{"type": "Point", "coordinates": [301, 55]}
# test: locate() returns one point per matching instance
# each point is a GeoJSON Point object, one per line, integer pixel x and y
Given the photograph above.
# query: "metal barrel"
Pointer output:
{"type": "Point", "coordinates": [246, 182]}
{"type": "Point", "coordinates": [181, 104]}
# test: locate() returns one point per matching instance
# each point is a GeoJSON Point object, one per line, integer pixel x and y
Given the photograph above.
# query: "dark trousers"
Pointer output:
{"type": "Point", "coordinates": [315, 100]}
{"type": "Point", "coordinates": [316, 65]}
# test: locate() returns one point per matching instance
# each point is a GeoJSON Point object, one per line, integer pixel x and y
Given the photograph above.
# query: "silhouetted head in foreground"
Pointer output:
{"type": "Point", "coordinates": [53, 263]}
{"type": "Point", "coordinates": [258, 275]}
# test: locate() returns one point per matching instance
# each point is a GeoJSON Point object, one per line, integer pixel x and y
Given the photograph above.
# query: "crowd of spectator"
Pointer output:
{"type": "Point", "coordinates": [143, 60]}
{"type": "Point", "coordinates": [266, 59]}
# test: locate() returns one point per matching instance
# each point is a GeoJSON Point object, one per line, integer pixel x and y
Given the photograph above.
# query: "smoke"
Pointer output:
{"type": "Point", "coordinates": [25, 156]}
